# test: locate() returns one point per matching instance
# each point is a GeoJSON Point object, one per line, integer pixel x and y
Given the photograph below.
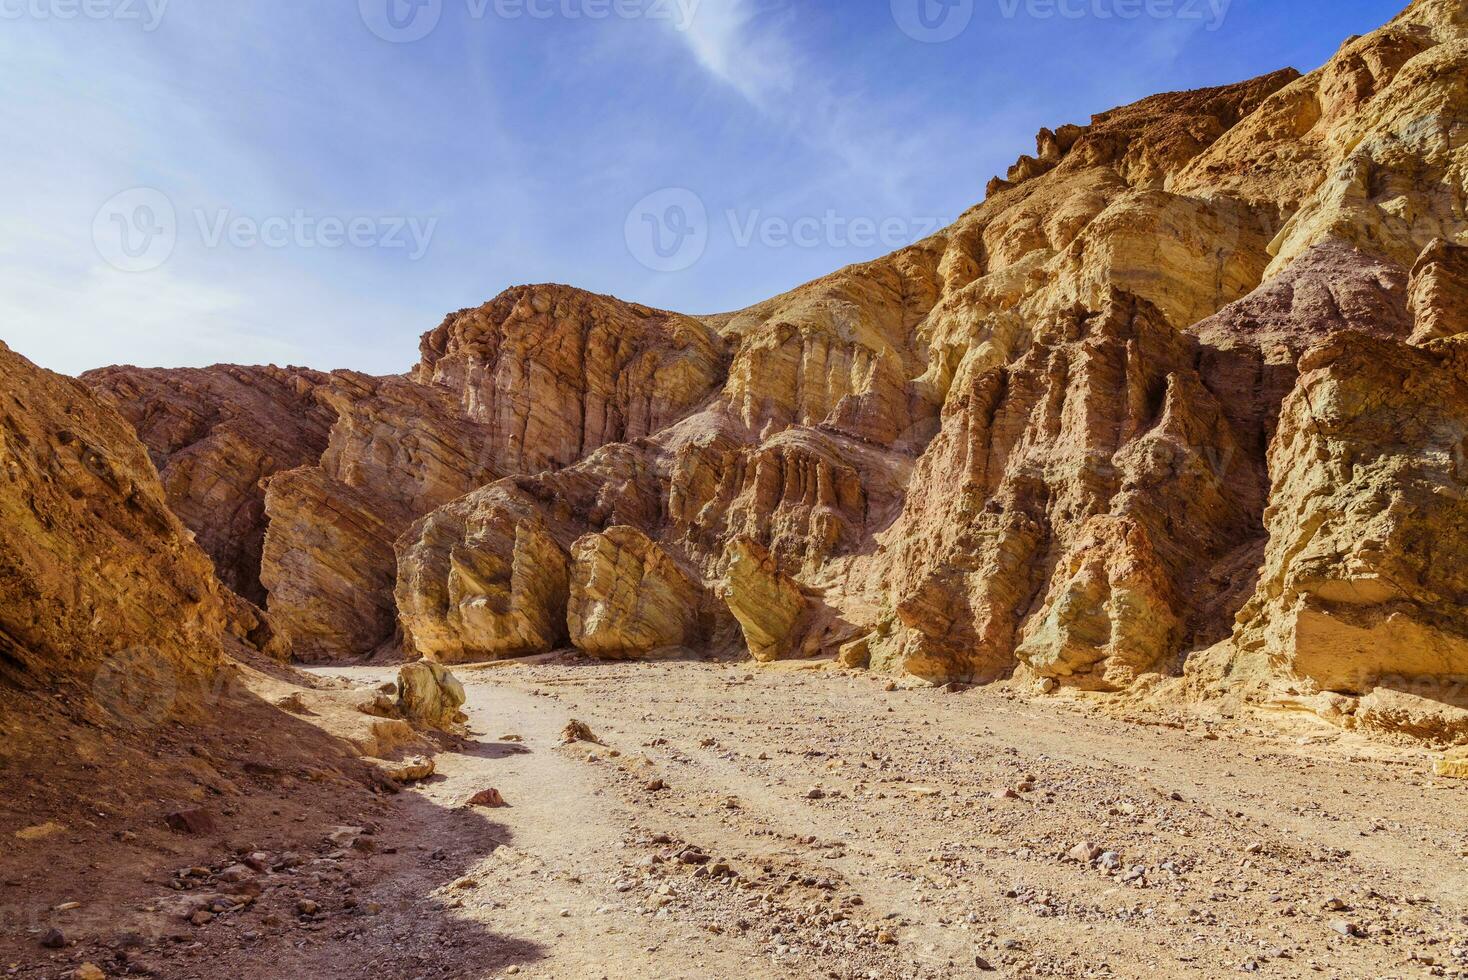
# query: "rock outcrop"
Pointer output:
{"type": "Point", "coordinates": [215, 434]}
{"type": "Point", "coordinates": [1440, 292]}
{"type": "Point", "coordinates": [629, 597]}
{"type": "Point", "coordinates": [1189, 368]}
{"type": "Point", "coordinates": [1365, 579]}
{"type": "Point", "coordinates": [100, 583]}
{"type": "Point", "coordinates": [482, 579]}
{"type": "Point", "coordinates": [767, 603]}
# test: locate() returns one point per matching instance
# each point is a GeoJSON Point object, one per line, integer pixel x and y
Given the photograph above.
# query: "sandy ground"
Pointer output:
{"type": "Point", "coordinates": [800, 822]}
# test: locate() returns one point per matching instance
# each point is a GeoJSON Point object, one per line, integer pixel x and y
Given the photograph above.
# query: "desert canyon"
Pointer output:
{"type": "Point", "coordinates": [1080, 591]}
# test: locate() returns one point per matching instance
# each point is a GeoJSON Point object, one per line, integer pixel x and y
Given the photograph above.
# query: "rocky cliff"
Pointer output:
{"type": "Point", "coordinates": [1182, 398]}
{"type": "Point", "coordinates": [101, 585]}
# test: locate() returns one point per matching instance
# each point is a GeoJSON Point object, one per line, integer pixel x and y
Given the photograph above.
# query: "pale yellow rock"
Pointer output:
{"type": "Point", "coordinates": [1440, 292]}
{"type": "Point", "coordinates": [1452, 768]}
{"type": "Point", "coordinates": [1108, 617]}
{"type": "Point", "coordinates": [429, 693]}
{"type": "Point", "coordinates": [629, 597]}
{"type": "Point", "coordinates": [482, 579]}
{"type": "Point", "coordinates": [767, 603]}
{"type": "Point", "coordinates": [1368, 553]}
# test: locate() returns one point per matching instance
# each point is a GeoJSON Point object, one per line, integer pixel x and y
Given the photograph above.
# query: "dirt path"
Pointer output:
{"type": "Point", "coordinates": [794, 822]}
{"type": "Point", "coordinates": [919, 833]}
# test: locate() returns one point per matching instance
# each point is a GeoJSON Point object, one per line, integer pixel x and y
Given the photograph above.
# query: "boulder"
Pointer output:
{"type": "Point", "coordinates": [629, 597]}
{"type": "Point", "coordinates": [430, 695]}
{"type": "Point", "coordinates": [767, 603]}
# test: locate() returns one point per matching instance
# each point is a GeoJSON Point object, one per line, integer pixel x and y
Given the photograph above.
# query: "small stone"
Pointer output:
{"type": "Point", "coordinates": [983, 964]}
{"type": "Point", "coordinates": [89, 971]}
{"type": "Point", "coordinates": [53, 939]}
{"type": "Point", "coordinates": [194, 822]}
{"type": "Point", "coordinates": [1047, 686]}
{"type": "Point", "coordinates": [1347, 928]}
{"type": "Point", "coordinates": [488, 798]}
{"type": "Point", "coordinates": [307, 907]}
{"type": "Point", "coordinates": [1005, 794]}
{"type": "Point", "coordinates": [1084, 853]}
{"type": "Point", "coordinates": [815, 793]}
{"type": "Point", "coordinates": [655, 786]}
{"type": "Point", "coordinates": [236, 873]}
{"type": "Point", "coordinates": [202, 917]}
{"type": "Point", "coordinates": [577, 731]}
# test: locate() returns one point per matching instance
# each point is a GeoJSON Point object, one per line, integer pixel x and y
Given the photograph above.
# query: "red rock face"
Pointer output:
{"type": "Point", "coordinates": [215, 434]}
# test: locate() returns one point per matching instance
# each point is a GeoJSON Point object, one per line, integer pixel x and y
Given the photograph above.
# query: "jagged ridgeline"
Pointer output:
{"type": "Point", "coordinates": [1180, 409]}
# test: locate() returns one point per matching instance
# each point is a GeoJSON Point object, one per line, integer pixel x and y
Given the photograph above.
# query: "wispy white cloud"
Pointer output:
{"type": "Point", "coordinates": [751, 46]}
{"type": "Point", "coordinates": [733, 43]}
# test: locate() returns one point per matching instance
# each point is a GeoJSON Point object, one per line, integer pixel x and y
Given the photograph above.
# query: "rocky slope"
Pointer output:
{"type": "Point", "coordinates": [100, 584]}
{"type": "Point", "coordinates": [1178, 409]}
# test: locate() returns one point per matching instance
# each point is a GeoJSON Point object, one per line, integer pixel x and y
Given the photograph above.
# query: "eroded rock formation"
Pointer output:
{"type": "Point", "coordinates": [1181, 396]}
{"type": "Point", "coordinates": [482, 578]}
{"type": "Point", "coordinates": [767, 603]}
{"type": "Point", "coordinates": [100, 583]}
{"type": "Point", "coordinates": [629, 597]}
{"type": "Point", "coordinates": [215, 434]}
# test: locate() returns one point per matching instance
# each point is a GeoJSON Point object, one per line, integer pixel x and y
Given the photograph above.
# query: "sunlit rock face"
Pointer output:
{"type": "Point", "coordinates": [1180, 398]}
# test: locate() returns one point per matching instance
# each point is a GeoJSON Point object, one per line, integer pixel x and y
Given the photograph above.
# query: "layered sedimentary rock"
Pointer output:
{"type": "Point", "coordinates": [538, 378]}
{"type": "Point", "coordinates": [215, 434]}
{"type": "Point", "coordinates": [95, 569]}
{"type": "Point", "coordinates": [767, 603]}
{"type": "Point", "coordinates": [396, 451]}
{"type": "Point", "coordinates": [629, 596]}
{"type": "Point", "coordinates": [555, 373]}
{"type": "Point", "coordinates": [482, 579]}
{"type": "Point", "coordinates": [1440, 292]}
{"type": "Point", "coordinates": [1069, 437]}
{"type": "Point", "coordinates": [328, 564]}
{"type": "Point", "coordinates": [1365, 579]}
{"type": "Point", "coordinates": [1104, 415]}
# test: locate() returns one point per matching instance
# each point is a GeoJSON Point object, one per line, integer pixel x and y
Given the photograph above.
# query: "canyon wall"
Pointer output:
{"type": "Point", "coordinates": [1177, 407]}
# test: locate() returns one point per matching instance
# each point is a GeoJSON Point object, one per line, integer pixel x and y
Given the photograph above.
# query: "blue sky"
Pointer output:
{"type": "Point", "coordinates": [188, 182]}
